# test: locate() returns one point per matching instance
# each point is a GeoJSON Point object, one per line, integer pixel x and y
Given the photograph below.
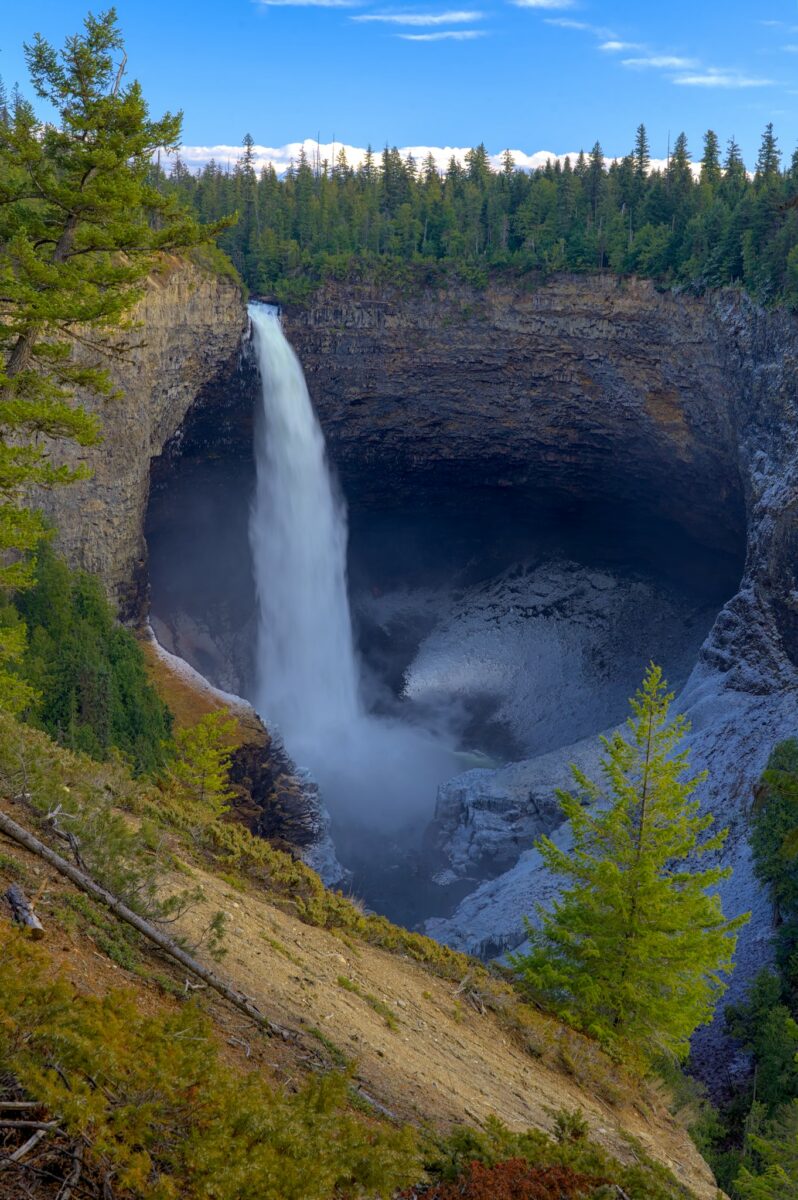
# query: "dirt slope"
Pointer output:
{"type": "Point", "coordinates": [443, 1062]}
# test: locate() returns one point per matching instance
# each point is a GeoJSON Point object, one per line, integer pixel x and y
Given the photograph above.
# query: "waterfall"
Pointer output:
{"type": "Point", "coordinates": [375, 770]}
{"type": "Point", "coordinates": [306, 670]}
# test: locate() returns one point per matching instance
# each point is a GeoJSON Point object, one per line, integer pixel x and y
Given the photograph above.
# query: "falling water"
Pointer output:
{"type": "Point", "coordinates": [307, 673]}
{"type": "Point", "coordinates": [378, 771]}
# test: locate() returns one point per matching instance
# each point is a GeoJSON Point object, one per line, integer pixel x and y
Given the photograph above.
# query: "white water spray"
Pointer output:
{"type": "Point", "coordinates": [370, 769]}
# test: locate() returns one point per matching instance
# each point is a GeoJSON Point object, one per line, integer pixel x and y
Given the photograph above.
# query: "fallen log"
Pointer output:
{"type": "Point", "coordinates": [88, 885]}
{"type": "Point", "coordinates": [18, 1155]}
{"type": "Point", "coordinates": [28, 1124]}
{"type": "Point", "coordinates": [22, 911]}
{"type": "Point", "coordinates": [73, 1178]}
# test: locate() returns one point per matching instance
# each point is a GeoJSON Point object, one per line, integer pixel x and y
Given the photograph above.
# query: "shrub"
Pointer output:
{"type": "Point", "coordinates": [496, 1144]}
{"type": "Point", "coordinates": [514, 1180]}
{"type": "Point", "coordinates": [87, 670]}
{"type": "Point", "coordinates": [196, 781]}
{"type": "Point", "coordinates": [157, 1109]}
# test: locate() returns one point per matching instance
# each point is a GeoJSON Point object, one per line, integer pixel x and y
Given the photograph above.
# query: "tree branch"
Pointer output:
{"type": "Point", "coordinates": [88, 885]}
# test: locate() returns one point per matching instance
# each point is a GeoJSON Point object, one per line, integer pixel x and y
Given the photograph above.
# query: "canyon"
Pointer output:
{"type": "Point", "coordinates": [601, 471]}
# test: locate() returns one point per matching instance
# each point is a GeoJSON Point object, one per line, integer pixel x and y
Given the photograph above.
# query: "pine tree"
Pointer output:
{"type": "Point", "coordinates": [80, 223]}
{"type": "Point", "coordinates": [769, 157]}
{"type": "Point", "coordinates": [198, 778]}
{"type": "Point", "coordinates": [642, 152]}
{"type": "Point", "coordinates": [775, 1175]}
{"type": "Point", "coordinates": [634, 947]}
{"type": "Point", "coordinates": [710, 161]}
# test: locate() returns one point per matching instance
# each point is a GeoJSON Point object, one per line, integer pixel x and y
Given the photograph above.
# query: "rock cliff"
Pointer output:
{"type": "Point", "coordinates": [182, 352]}
{"type": "Point", "coordinates": [587, 394]}
{"type": "Point", "coordinates": [187, 335]}
{"type": "Point", "coordinates": [586, 397]}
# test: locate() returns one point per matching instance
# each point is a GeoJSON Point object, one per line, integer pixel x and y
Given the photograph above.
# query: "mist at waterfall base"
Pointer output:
{"type": "Point", "coordinates": [376, 772]}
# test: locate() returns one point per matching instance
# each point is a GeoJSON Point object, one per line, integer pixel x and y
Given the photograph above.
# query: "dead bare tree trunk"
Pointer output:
{"type": "Point", "coordinates": [86, 884]}
{"type": "Point", "coordinates": [22, 911]}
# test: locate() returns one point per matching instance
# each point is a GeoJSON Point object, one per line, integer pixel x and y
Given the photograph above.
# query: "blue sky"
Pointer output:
{"type": "Point", "coordinates": [541, 75]}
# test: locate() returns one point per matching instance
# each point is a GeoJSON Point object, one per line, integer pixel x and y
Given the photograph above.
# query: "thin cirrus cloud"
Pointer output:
{"type": "Point", "coordinates": [309, 3]}
{"type": "Point", "coordinates": [719, 77]}
{"type": "Point", "coordinates": [680, 70]}
{"type": "Point", "coordinates": [443, 35]}
{"type": "Point", "coordinates": [599, 31]}
{"type": "Point", "coordinates": [544, 3]}
{"type": "Point", "coordinates": [615, 47]}
{"type": "Point", "coordinates": [421, 19]}
{"type": "Point", "coordinates": [661, 62]}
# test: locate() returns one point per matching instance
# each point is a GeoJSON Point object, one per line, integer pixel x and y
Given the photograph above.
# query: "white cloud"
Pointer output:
{"type": "Point", "coordinates": [598, 31]}
{"type": "Point", "coordinates": [415, 19]}
{"type": "Point", "coordinates": [309, 3]}
{"type": "Point", "coordinates": [544, 3]}
{"type": "Point", "coordinates": [720, 77]}
{"type": "Point", "coordinates": [281, 157]}
{"type": "Point", "coordinates": [614, 47]}
{"type": "Point", "coordinates": [663, 62]}
{"type": "Point", "coordinates": [446, 35]}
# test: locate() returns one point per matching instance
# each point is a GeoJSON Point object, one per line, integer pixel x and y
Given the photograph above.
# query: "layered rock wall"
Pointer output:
{"type": "Point", "coordinates": [187, 336]}
{"type": "Point", "coordinates": [583, 389]}
{"type": "Point", "coordinates": [611, 395]}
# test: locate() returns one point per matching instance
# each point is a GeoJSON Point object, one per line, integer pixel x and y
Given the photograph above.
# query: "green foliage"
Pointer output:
{"type": "Point", "coordinates": [87, 672]}
{"type": "Point", "coordinates": [645, 1180]}
{"type": "Point", "coordinates": [765, 1026]}
{"type": "Point", "coordinates": [401, 221]}
{"type": "Point", "coordinates": [775, 1151]}
{"type": "Point", "coordinates": [570, 1125]}
{"type": "Point", "coordinates": [634, 947]}
{"type": "Point", "coordinates": [81, 226]}
{"type": "Point", "coordinates": [196, 780]}
{"type": "Point", "coordinates": [156, 1108]}
{"type": "Point", "coordinates": [83, 802]}
{"type": "Point", "coordinates": [762, 1121]}
{"type": "Point", "coordinates": [774, 827]}
{"type": "Point", "coordinates": [121, 943]}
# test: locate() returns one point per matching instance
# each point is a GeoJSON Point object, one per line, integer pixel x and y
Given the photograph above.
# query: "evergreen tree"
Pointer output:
{"type": "Point", "coordinates": [710, 160]}
{"type": "Point", "coordinates": [642, 152]}
{"type": "Point", "coordinates": [634, 947]}
{"type": "Point", "coordinates": [198, 777]}
{"type": "Point", "coordinates": [80, 223]}
{"type": "Point", "coordinates": [719, 228]}
{"type": "Point", "coordinates": [769, 157]}
{"type": "Point", "coordinates": [87, 672]}
{"type": "Point", "coordinates": [775, 1175]}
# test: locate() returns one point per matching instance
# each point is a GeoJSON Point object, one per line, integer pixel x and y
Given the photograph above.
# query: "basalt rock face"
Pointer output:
{"type": "Point", "coordinates": [188, 334]}
{"type": "Point", "coordinates": [587, 394]}
{"type": "Point", "coordinates": [185, 356]}
{"type": "Point", "coordinates": [583, 391]}
{"type": "Point", "coordinates": [590, 392]}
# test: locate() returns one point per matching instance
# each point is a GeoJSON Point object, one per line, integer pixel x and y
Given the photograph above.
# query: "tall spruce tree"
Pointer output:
{"type": "Point", "coordinates": [710, 160]}
{"type": "Point", "coordinates": [642, 152]}
{"type": "Point", "coordinates": [80, 226]}
{"type": "Point", "coordinates": [634, 948]}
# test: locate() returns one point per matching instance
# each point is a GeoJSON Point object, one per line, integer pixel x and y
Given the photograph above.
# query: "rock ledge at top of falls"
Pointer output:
{"type": "Point", "coordinates": [189, 326]}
